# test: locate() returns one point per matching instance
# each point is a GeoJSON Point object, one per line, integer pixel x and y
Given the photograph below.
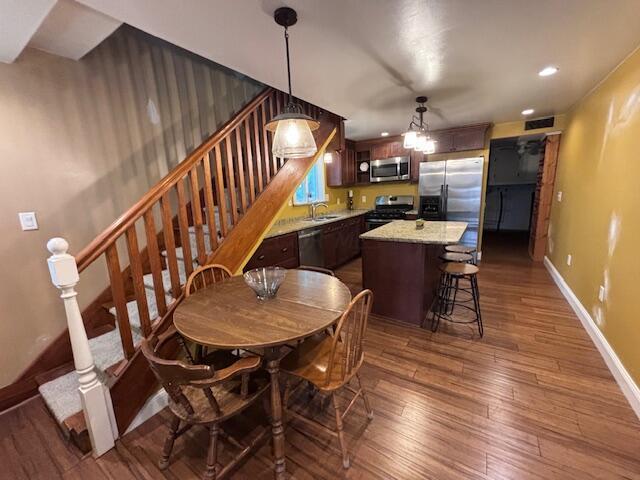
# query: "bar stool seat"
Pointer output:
{"type": "Point", "coordinates": [458, 248]}
{"type": "Point", "coordinates": [459, 269]}
{"type": "Point", "coordinates": [447, 296]}
{"type": "Point", "coordinates": [456, 257]}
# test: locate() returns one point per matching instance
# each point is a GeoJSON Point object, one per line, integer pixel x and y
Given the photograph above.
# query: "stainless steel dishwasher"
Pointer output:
{"type": "Point", "coordinates": [310, 250]}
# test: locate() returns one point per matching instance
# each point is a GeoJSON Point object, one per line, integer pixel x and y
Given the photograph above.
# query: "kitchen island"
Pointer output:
{"type": "Point", "coordinates": [400, 265]}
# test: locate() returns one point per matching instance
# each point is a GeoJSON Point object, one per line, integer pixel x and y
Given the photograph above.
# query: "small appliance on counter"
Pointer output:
{"type": "Point", "coordinates": [387, 209]}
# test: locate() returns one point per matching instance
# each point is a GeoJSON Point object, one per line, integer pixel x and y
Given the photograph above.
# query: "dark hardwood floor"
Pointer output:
{"type": "Point", "coordinates": [532, 399]}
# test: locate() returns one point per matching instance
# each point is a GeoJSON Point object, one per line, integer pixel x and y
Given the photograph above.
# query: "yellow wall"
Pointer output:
{"type": "Point", "coordinates": [335, 195]}
{"type": "Point", "coordinates": [598, 220]}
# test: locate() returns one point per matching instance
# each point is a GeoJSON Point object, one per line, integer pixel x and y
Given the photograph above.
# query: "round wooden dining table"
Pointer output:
{"type": "Point", "coordinates": [228, 315]}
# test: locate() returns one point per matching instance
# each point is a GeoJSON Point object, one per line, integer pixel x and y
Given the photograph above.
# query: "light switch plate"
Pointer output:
{"type": "Point", "coordinates": [601, 293]}
{"type": "Point", "coordinates": [28, 220]}
{"type": "Point", "coordinates": [338, 200]}
{"type": "Point", "coordinates": [569, 259]}
{"type": "Point", "coordinates": [560, 196]}
{"type": "Point", "coordinates": [364, 199]}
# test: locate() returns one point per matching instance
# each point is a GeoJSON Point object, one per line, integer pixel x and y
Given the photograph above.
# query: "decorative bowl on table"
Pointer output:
{"type": "Point", "coordinates": [265, 281]}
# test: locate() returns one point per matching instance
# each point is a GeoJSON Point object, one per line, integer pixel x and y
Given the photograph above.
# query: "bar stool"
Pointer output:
{"type": "Point", "coordinates": [456, 257]}
{"type": "Point", "coordinates": [446, 298]}
{"type": "Point", "coordinates": [459, 248]}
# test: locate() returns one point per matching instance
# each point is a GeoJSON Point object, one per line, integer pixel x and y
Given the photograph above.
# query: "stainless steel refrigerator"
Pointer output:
{"type": "Point", "coordinates": [452, 190]}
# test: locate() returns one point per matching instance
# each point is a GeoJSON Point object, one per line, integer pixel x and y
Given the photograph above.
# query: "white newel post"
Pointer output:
{"type": "Point", "coordinates": [96, 400]}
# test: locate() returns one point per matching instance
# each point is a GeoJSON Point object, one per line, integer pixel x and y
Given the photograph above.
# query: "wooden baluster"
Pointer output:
{"type": "Point", "coordinates": [138, 282]}
{"type": "Point", "coordinates": [256, 139]}
{"type": "Point", "coordinates": [96, 398]}
{"type": "Point", "coordinates": [240, 164]}
{"type": "Point", "coordinates": [265, 142]}
{"type": "Point", "coordinates": [222, 201]}
{"type": "Point", "coordinates": [155, 261]}
{"type": "Point", "coordinates": [249, 156]}
{"type": "Point", "coordinates": [170, 246]}
{"type": "Point", "coordinates": [196, 211]}
{"type": "Point", "coordinates": [119, 300]}
{"type": "Point", "coordinates": [209, 203]}
{"type": "Point", "coordinates": [274, 160]}
{"type": "Point", "coordinates": [183, 223]}
{"type": "Point", "coordinates": [231, 182]}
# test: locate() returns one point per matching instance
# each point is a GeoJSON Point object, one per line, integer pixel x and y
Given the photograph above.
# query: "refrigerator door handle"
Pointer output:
{"type": "Point", "coordinates": [442, 203]}
{"type": "Point", "coordinates": [446, 200]}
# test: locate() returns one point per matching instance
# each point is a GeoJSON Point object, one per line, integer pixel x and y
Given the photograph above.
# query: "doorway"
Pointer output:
{"type": "Point", "coordinates": [513, 189]}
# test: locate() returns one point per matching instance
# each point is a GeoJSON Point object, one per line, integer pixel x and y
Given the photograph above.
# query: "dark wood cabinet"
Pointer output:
{"type": "Point", "coordinates": [342, 169]}
{"type": "Point", "coordinates": [280, 251]}
{"type": "Point", "coordinates": [416, 158]}
{"type": "Point", "coordinates": [460, 139]}
{"type": "Point", "coordinates": [341, 241]}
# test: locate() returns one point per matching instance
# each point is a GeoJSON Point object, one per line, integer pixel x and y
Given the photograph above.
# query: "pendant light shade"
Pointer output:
{"type": "Point", "coordinates": [417, 136]}
{"type": "Point", "coordinates": [410, 138]}
{"type": "Point", "coordinates": [292, 129]}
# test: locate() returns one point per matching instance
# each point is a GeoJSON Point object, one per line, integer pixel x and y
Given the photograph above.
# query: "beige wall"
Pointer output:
{"type": "Point", "coordinates": [598, 220]}
{"type": "Point", "coordinates": [80, 143]}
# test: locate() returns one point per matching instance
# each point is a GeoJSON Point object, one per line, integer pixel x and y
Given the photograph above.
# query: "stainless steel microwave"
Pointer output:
{"type": "Point", "coordinates": [389, 169]}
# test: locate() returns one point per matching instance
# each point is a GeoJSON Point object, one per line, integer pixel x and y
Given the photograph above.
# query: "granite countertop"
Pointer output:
{"type": "Point", "coordinates": [289, 225]}
{"type": "Point", "coordinates": [405, 231]}
{"type": "Point", "coordinates": [412, 212]}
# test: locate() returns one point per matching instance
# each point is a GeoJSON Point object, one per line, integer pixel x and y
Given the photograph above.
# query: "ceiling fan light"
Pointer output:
{"type": "Point", "coordinates": [410, 139]}
{"type": "Point", "coordinates": [293, 139]}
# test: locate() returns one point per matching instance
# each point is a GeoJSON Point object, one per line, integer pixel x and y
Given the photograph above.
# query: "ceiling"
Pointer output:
{"type": "Point", "coordinates": [368, 59]}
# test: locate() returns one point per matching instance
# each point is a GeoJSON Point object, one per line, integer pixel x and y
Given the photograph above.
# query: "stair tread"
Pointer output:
{"type": "Point", "coordinates": [132, 309]}
{"type": "Point", "coordinates": [166, 279]}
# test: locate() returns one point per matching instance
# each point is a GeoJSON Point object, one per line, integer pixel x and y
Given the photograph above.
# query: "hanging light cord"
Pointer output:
{"type": "Point", "coordinates": [286, 41]}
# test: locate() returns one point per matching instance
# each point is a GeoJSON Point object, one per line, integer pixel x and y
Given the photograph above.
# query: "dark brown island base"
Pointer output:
{"type": "Point", "coordinates": [400, 265]}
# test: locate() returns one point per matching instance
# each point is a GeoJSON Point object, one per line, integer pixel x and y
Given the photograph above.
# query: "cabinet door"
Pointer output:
{"type": "Point", "coordinates": [396, 149]}
{"type": "Point", "coordinates": [380, 151]}
{"type": "Point", "coordinates": [416, 158]}
{"type": "Point", "coordinates": [471, 138]}
{"type": "Point", "coordinates": [444, 139]}
{"type": "Point", "coordinates": [330, 245]}
{"type": "Point", "coordinates": [276, 251]}
{"type": "Point", "coordinates": [349, 166]}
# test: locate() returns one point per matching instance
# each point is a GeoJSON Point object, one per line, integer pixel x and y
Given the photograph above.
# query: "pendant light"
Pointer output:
{"type": "Point", "coordinates": [292, 128]}
{"type": "Point", "coordinates": [417, 136]}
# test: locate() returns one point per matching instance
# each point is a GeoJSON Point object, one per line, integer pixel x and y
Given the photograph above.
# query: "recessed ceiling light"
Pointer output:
{"type": "Point", "coordinates": [548, 71]}
{"type": "Point", "coordinates": [528, 111]}
{"type": "Point", "coordinates": [384, 134]}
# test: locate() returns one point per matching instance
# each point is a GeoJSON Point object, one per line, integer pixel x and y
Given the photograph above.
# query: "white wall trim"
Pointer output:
{"type": "Point", "coordinates": [153, 405]}
{"type": "Point", "coordinates": [629, 388]}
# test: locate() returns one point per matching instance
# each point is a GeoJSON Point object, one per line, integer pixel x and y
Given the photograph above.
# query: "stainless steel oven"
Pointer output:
{"type": "Point", "coordinates": [389, 169]}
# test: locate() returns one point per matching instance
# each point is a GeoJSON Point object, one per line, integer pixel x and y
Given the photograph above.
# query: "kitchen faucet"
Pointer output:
{"type": "Point", "coordinates": [314, 206]}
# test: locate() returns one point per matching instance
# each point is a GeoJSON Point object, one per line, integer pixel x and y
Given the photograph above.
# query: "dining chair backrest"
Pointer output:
{"type": "Point", "coordinates": [174, 375]}
{"type": "Point", "coordinates": [310, 268]}
{"type": "Point", "coordinates": [204, 276]}
{"type": "Point", "coordinates": [347, 351]}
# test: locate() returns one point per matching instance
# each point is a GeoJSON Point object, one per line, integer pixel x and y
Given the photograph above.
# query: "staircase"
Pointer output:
{"type": "Point", "coordinates": [215, 206]}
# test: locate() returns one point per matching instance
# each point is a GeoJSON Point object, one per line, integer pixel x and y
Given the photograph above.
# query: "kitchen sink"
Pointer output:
{"type": "Point", "coordinates": [321, 218]}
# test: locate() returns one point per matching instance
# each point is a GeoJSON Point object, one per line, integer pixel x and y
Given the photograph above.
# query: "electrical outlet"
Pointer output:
{"type": "Point", "coordinates": [326, 197]}
{"type": "Point", "coordinates": [28, 220]}
{"type": "Point", "coordinates": [338, 200]}
{"type": "Point", "coordinates": [364, 199]}
{"type": "Point", "coordinates": [569, 259]}
{"type": "Point", "coordinates": [559, 195]}
{"type": "Point", "coordinates": [601, 293]}
{"type": "Point", "coordinates": [290, 202]}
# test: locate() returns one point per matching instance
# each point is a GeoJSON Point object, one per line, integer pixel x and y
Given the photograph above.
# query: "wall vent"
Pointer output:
{"type": "Point", "coordinates": [539, 123]}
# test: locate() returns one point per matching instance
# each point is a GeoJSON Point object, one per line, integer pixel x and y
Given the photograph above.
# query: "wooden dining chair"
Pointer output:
{"type": "Point", "coordinates": [202, 395]}
{"type": "Point", "coordinates": [330, 363]}
{"type": "Point", "coordinates": [200, 278]}
{"type": "Point", "coordinates": [204, 276]}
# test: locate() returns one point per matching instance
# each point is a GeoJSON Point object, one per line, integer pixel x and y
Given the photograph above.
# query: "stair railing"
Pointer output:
{"type": "Point", "coordinates": [95, 396]}
{"type": "Point", "coordinates": [205, 195]}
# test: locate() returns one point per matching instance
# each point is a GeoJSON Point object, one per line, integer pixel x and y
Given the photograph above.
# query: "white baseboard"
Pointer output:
{"type": "Point", "coordinates": [625, 381]}
{"type": "Point", "coordinates": [153, 405]}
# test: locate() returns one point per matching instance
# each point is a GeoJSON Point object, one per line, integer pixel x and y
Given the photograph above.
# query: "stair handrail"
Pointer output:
{"type": "Point", "coordinates": [99, 244]}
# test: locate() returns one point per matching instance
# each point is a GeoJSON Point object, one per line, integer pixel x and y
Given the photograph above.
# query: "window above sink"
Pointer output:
{"type": "Point", "coordinates": [312, 188]}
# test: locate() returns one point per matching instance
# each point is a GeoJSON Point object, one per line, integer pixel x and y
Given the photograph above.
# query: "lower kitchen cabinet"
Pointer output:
{"type": "Point", "coordinates": [341, 241]}
{"type": "Point", "coordinates": [280, 251]}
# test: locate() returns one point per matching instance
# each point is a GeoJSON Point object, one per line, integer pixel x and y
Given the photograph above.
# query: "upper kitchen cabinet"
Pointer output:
{"type": "Point", "coordinates": [388, 149]}
{"type": "Point", "coordinates": [461, 139]}
{"type": "Point", "coordinates": [342, 169]}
